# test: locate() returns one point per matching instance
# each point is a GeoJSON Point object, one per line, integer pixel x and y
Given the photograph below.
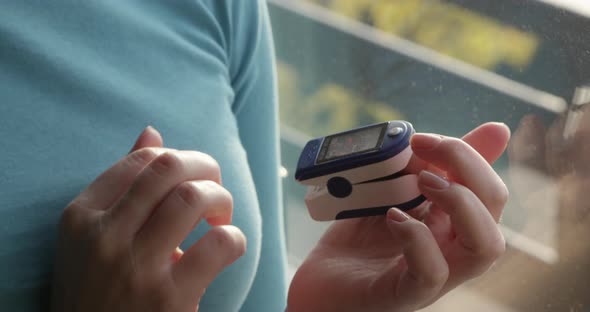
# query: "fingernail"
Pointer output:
{"type": "Point", "coordinates": [145, 131]}
{"type": "Point", "coordinates": [425, 141]}
{"type": "Point", "coordinates": [432, 181]}
{"type": "Point", "coordinates": [397, 215]}
{"type": "Point", "coordinates": [503, 125]}
{"type": "Point", "coordinates": [150, 128]}
{"type": "Point", "coordinates": [499, 123]}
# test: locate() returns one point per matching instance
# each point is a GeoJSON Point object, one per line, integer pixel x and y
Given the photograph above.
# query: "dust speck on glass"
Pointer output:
{"type": "Point", "coordinates": [448, 66]}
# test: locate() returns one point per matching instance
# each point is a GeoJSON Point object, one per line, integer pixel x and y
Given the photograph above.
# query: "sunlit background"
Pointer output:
{"type": "Point", "coordinates": [446, 66]}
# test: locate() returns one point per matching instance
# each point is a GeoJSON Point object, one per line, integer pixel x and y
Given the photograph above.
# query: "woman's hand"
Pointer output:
{"type": "Point", "coordinates": [118, 245]}
{"type": "Point", "coordinates": [397, 263]}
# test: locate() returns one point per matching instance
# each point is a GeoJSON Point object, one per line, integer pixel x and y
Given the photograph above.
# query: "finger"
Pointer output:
{"type": "Point", "coordinates": [107, 188]}
{"type": "Point", "coordinates": [420, 212]}
{"type": "Point", "coordinates": [177, 215]}
{"type": "Point", "coordinates": [110, 186]}
{"type": "Point", "coordinates": [426, 269]}
{"type": "Point", "coordinates": [149, 137]}
{"type": "Point", "coordinates": [463, 165]}
{"type": "Point", "coordinates": [154, 182]}
{"type": "Point", "coordinates": [204, 260]}
{"type": "Point", "coordinates": [478, 241]}
{"type": "Point", "coordinates": [489, 140]}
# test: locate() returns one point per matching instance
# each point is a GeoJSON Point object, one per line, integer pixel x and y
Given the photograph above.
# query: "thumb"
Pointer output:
{"type": "Point", "coordinates": [149, 137]}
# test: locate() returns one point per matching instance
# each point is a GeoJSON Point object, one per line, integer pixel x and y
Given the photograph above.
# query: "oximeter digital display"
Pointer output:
{"type": "Point", "coordinates": [349, 143]}
{"type": "Point", "coordinates": [359, 172]}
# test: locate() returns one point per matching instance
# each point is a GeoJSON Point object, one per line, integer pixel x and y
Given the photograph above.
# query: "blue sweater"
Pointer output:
{"type": "Point", "coordinates": [79, 80]}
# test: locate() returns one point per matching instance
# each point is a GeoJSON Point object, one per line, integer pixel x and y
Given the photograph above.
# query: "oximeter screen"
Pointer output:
{"type": "Point", "coordinates": [350, 143]}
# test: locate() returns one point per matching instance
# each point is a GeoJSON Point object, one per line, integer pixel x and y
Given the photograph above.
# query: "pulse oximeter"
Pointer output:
{"type": "Point", "coordinates": [360, 172]}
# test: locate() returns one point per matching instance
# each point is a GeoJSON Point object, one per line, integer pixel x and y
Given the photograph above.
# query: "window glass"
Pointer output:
{"type": "Point", "coordinates": [448, 66]}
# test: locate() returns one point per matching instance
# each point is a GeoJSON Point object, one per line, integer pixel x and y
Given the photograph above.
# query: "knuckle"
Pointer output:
{"type": "Point", "coordinates": [166, 163]}
{"type": "Point", "coordinates": [105, 249]}
{"type": "Point", "coordinates": [212, 166]}
{"type": "Point", "coordinates": [456, 147]}
{"type": "Point", "coordinates": [463, 199]}
{"type": "Point", "coordinates": [189, 192]}
{"type": "Point", "coordinates": [84, 230]}
{"type": "Point", "coordinates": [222, 239]}
{"type": "Point", "coordinates": [73, 217]}
{"type": "Point", "coordinates": [221, 195]}
{"type": "Point", "coordinates": [417, 232]}
{"type": "Point", "coordinates": [207, 193]}
{"type": "Point", "coordinates": [495, 249]}
{"type": "Point", "coordinates": [75, 205]}
{"type": "Point", "coordinates": [436, 279]}
{"type": "Point", "coordinates": [488, 254]}
{"type": "Point", "coordinates": [226, 242]}
{"type": "Point", "coordinates": [143, 156]}
{"type": "Point", "coordinates": [225, 199]}
{"type": "Point", "coordinates": [106, 243]}
{"type": "Point", "coordinates": [500, 197]}
{"type": "Point", "coordinates": [457, 151]}
{"type": "Point", "coordinates": [441, 276]}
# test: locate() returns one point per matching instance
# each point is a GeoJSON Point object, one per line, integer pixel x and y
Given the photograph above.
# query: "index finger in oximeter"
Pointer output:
{"type": "Point", "coordinates": [359, 172]}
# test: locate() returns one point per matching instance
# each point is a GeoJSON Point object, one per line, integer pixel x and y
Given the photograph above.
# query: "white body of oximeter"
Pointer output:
{"type": "Point", "coordinates": [360, 172]}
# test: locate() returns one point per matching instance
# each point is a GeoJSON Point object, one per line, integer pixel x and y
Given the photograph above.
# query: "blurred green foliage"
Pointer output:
{"type": "Point", "coordinates": [446, 28]}
{"type": "Point", "coordinates": [328, 109]}
{"type": "Point", "coordinates": [443, 27]}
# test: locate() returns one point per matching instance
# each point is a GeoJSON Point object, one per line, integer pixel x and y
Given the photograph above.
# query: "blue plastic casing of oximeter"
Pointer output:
{"type": "Point", "coordinates": [394, 137]}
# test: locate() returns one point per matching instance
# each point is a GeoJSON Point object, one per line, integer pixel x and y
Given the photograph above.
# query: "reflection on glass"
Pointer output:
{"type": "Point", "coordinates": [328, 107]}
{"type": "Point", "coordinates": [446, 28]}
{"type": "Point", "coordinates": [331, 78]}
